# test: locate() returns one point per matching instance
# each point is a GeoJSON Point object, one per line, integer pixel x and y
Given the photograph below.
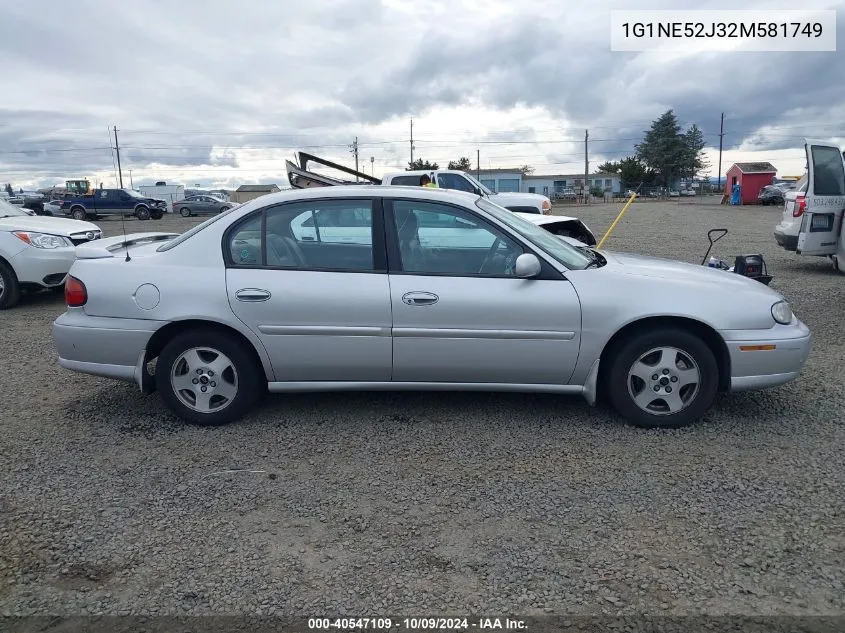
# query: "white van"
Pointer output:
{"type": "Point", "coordinates": [820, 232]}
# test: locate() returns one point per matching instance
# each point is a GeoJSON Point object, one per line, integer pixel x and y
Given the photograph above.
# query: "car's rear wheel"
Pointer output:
{"type": "Point", "coordinates": [185, 212]}
{"type": "Point", "coordinates": [207, 378]}
{"type": "Point", "coordinates": [10, 289]}
{"type": "Point", "coordinates": [222, 209]}
{"type": "Point", "coordinates": [142, 213]}
{"type": "Point", "coordinates": [78, 213]}
{"type": "Point", "coordinates": [665, 378]}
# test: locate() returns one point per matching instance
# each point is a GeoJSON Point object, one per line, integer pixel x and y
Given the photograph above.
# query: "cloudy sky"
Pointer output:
{"type": "Point", "coordinates": [221, 92]}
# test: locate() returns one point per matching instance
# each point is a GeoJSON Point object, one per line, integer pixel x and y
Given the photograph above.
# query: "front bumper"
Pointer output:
{"type": "Point", "coordinates": [760, 360]}
{"type": "Point", "coordinates": [102, 346]}
{"type": "Point", "coordinates": [43, 266]}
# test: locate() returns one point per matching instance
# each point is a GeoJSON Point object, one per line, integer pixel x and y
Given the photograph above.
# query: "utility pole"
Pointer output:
{"type": "Point", "coordinates": [412, 141]}
{"type": "Point", "coordinates": [131, 184]}
{"type": "Point", "coordinates": [372, 163]}
{"type": "Point", "coordinates": [117, 150]}
{"type": "Point", "coordinates": [355, 152]}
{"type": "Point", "coordinates": [586, 166]}
{"type": "Point", "coordinates": [721, 135]}
{"type": "Point", "coordinates": [478, 164]}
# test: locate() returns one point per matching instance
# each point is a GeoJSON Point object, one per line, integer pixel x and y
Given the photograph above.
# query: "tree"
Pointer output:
{"type": "Point", "coordinates": [421, 164]}
{"type": "Point", "coordinates": [9, 189]}
{"type": "Point", "coordinates": [694, 160]}
{"type": "Point", "coordinates": [633, 173]}
{"type": "Point", "coordinates": [526, 169]}
{"type": "Point", "coordinates": [462, 163]}
{"type": "Point", "coordinates": [608, 167]}
{"type": "Point", "coordinates": [664, 149]}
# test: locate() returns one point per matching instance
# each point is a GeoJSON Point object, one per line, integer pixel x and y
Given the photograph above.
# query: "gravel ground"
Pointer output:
{"type": "Point", "coordinates": [367, 504]}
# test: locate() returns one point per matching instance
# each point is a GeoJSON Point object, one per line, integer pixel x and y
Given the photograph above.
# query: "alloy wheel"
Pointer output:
{"type": "Point", "coordinates": [664, 381]}
{"type": "Point", "coordinates": [204, 379]}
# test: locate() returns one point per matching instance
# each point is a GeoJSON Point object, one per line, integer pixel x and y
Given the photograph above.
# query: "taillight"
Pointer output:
{"type": "Point", "coordinates": [76, 294]}
{"type": "Point", "coordinates": [800, 206]}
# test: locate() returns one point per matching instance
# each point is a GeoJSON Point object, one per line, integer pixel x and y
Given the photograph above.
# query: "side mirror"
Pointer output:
{"type": "Point", "coordinates": [527, 265]}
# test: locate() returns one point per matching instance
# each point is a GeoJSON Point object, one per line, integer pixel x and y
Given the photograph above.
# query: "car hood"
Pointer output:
{"type": "Point", "coordinates": [46, 224]}
{"type": "Point", "coordinates": [693, 274]}
{"type": "Point", "coordinates": [517, 194]}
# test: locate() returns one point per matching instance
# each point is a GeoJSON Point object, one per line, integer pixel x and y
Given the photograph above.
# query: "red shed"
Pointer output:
{"type": "Point", "coordinates": [752, 177]}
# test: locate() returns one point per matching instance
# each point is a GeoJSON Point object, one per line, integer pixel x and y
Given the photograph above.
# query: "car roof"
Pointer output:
{"type": "Point", "coordinates": [379, 191]}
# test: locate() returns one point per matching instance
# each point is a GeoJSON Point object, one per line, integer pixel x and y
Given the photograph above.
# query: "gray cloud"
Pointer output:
{"type": "Point", "coordinates": [194, 89]}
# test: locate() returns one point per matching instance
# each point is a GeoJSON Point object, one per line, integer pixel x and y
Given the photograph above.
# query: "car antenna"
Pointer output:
{"type": "Point", "coordinates": [123, 225]}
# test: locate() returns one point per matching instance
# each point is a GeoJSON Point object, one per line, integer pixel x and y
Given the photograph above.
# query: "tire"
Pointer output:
{"type": "Point", "coordinates": [10, 289]}
{"type": "Point", "coordinates": [189, 352]}
{"type": "Point", "coordinates": [78, 213]}
{"type": "Point", "coordinates": [222, 209]}
{"type": "Point", "coordinates": [142, 213]}
{"type": "Point", "coordinates": [693, 400]}
{"type": "Point", "coordinates": [185, 212]}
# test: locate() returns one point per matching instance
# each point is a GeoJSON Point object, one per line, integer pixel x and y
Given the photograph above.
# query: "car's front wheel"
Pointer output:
{"type": "Point", "coordinates": [142, 213]}
{"type": "Point", "coordinates": [666, 378]}
{"type": "Point", "coordinates": [207, 378]}
{"type": "Point", "coordinates": [10, 289]}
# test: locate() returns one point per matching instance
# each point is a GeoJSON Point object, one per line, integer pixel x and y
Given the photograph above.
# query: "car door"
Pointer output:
{"type": "Point", "coordinates": [322, 309]}
{"type": "Point", "coordinates": [821, 225]}
{"type": "Point", "coordinates": [459, 314]}
{"type": "Point", "coordinates": [455, 181]}
{"type": "Point", "coordinates": [105, 201]}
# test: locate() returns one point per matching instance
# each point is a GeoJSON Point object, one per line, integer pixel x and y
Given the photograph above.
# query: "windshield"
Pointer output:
{"type": "Point", "coordinates": [9, 210]}
{"type": "Point", "coordinates": [134, 193]}
{"type": "Point", "coordinates": [566, 254]}
{"type": "Point", "coordinates": [191, 232]}
{"type": "Point", "coordinates": [478, 184]}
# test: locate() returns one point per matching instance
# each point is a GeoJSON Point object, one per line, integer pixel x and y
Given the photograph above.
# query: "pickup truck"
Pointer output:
{"type": "Point", "coordinates": [300, 177]}
{"type": "Point", "coordinates": [112, 202]}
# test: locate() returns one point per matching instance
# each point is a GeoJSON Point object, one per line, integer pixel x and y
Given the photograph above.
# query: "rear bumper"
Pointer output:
{"type": "Point", "coordinates": [102, 346]}
{"type": "Point", "coordinates": [789, 242]}
{"type": "Point", "coordinates": [786, 348]}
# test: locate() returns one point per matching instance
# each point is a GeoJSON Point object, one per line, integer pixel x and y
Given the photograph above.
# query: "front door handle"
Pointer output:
{"type": "Point", "coordinates": [252, 294]}
{"type": "Point", "coordinates": [420, 298]}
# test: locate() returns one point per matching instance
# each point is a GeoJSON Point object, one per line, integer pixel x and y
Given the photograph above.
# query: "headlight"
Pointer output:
{"type": "Point", "coordinates": [782, 313]}
{"type": "Point", "coordinates": [42, 240]}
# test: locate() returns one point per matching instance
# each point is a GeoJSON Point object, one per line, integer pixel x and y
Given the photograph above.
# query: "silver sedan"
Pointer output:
{"type": "Point", "coordinates": [201, 205]}
{"type": "Point", "coordinates": [380, 288]}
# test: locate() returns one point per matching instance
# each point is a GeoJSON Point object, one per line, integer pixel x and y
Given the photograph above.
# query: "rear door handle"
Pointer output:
{"type": "Point", "coordinates": [252, 294]}
{"type": "Point", "coordinates": [420, 298]}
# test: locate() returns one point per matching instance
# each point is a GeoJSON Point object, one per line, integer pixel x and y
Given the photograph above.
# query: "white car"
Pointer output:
{"type": "Point", "coordinates": [37, 252]}
{"type": "Point", "coordinates": [53, 207]}
{"type": "Point", "coordinates": [569, 229]}
{"type": "Point", "coordinates": [794, 205]}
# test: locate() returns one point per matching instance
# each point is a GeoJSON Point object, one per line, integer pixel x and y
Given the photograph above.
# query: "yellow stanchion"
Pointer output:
{"type": "Point", "coordinates": [616, 221]}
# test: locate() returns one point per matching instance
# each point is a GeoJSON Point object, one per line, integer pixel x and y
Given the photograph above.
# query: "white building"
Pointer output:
{"type": "Point", "coordinates": [513, 179]}
{"type": "Point", "coordinates": [549, 185]}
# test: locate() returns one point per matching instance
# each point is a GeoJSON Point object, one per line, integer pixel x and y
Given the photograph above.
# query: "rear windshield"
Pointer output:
{"type": "Point", "coordinates": [191, 232]}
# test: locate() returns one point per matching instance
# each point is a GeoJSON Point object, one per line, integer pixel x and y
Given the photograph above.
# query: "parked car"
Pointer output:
{"type": "Point", "coordinates": [301, 178]}
{"type": "Point", "coordinates": [36, 252]}
{"type": "Point", "coordinates": [563, 226]}
{"type": "Point", "coordinates": [201, 205]}
{"type": "Point", "coordinates": [104, 202]}
{"type": "Point", "coordinates": [451, 292]}
{"type": "Point", "coordinates": [822, 208]}
{"type": "Point", "coordinates": [794, 205]}
{"type": "Point", "coordinates": [774, 194]}
{"type": "Point", "coordinates": [53, 207]}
